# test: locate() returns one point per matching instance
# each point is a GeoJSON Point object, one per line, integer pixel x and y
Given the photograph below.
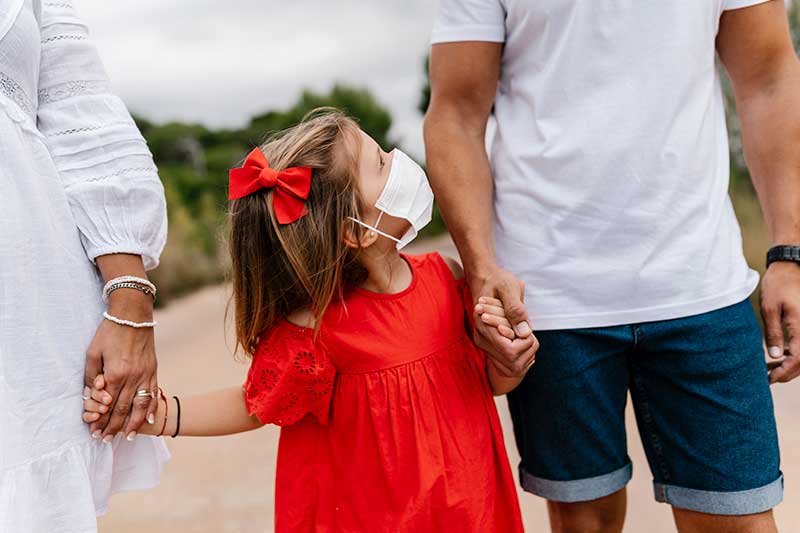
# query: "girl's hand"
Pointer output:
{"type": "Point", "coordinates": [97, 402]}
{"type": "Point", "coordinates": [492, 314]}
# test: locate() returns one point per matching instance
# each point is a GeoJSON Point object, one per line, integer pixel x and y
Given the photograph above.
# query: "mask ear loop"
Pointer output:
{"type": "Point", "coordinates": [375, 229]}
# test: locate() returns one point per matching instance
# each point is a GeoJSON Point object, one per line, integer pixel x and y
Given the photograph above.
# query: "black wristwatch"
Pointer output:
{"type": "Point", "coordinates": [783, 253]}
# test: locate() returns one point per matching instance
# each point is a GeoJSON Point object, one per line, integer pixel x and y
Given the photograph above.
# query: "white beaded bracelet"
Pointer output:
{"type": "Point", "coordinates": [127, 279]}
{"type": "Point", "coordinates": [128, 323]}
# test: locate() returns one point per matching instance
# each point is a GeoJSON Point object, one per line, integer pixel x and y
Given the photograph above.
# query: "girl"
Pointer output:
{"type": "Point", "coordinates": [360, 353]}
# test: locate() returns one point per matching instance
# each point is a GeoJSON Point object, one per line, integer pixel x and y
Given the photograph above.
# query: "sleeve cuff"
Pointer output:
{"type": "Point", "coordinates": [738, 4]}
{"type": "Point", "coordinates": [493, 34]}
{"type": "Point", "coordinates": [150, 261]}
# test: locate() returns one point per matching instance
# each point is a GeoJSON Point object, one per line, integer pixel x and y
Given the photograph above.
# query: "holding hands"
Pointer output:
{"type": "Point", "coordinates": [502, 327]}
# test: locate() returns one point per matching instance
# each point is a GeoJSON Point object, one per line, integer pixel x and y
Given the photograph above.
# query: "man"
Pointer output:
{"type": "Point", "coordinates": [611, 221]}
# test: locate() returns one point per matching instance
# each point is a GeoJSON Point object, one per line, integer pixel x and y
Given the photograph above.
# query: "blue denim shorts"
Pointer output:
{"type": "Point", "coordinates": [701, 395]}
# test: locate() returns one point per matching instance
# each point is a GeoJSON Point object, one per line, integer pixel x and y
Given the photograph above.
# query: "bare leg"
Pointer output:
{"type": "Point", "coordinates": [604, 515]}
{"type": "Point", "coordinates": [694, 522]}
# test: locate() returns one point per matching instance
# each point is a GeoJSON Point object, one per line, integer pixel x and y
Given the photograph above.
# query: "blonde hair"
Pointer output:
{"type": "Point", "coordinates": [278, 269]}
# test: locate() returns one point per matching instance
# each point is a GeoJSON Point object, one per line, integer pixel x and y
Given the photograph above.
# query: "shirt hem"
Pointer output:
{"type": "Point", "coordinates": [494, 34]}
{"type": "Point", "coordinates": [738, 4]}
{"type": "Point", "coordinates": [646, 314]}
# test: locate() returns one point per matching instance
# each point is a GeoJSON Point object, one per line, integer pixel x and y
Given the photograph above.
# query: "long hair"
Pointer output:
{"type": "Point", "coordinates": [278, 269]}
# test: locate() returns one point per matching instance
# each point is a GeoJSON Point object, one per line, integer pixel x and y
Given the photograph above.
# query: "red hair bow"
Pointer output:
{"type": "Point", "coordinates": [291, 186]}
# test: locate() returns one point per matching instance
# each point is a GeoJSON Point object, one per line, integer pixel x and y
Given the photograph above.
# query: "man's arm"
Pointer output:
{"type": "Point", "coordinates": [755, 46]}
{"type": "Point", "coordinates": [464, 78]}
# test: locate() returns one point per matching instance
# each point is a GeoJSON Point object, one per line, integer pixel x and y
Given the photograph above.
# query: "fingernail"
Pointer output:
{"type": "Point", "coordinates": [523, 329]}
{"type": "Point", "coordinates": [107, 439]}
{"type": "Point", "coordinates": [96, 434]}
{"type": "Point", "coordinates": [151, 419]}
{"type": "Point", "coordinates": [131, 436]}
{"type": "Point", "coordinates": [86, 392]}
{"type": "Point", "coordinates": [102, 408]}
{"type": "Point", "coordinates": [775, 352]}
{"type": "Point", "coordinates": [107, 398]}
{"type": "Point", "coordinates": [479, 309]}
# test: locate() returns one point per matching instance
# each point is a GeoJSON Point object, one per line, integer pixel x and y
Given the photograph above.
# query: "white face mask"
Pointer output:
{"type": "Point", "coordinates": [406, 195]}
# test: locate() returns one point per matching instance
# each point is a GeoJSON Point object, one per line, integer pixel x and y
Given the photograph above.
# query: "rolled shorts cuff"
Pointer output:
{"type": "Point", "coordinates": [578, 490]}
{"type": "Point", "coordinates": [742, 502]}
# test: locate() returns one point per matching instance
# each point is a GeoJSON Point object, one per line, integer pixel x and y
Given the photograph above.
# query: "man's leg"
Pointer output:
{"type": "Point", "coordinates": [569, 425]}
{"type": "Point", "coordinates": [704, 410]}
{"type": "Point", "coordinates": [604, 515]}
{"type": "Point", "coordinates": [694, 522]}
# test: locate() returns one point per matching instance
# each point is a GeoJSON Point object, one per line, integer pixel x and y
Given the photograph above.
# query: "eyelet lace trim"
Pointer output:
{"type": "Point", "coordinates": [11, 90]}
{"type": "Point", "coordinates": [121, 172]}
{"type": "Point", "coordinates": [62, 91]}
{"type": "Point", "coordinates": [64, 38]}
{"type": "Point", "coordinates": [90, 128]}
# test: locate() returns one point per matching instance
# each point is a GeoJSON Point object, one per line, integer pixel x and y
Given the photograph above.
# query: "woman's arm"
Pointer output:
{"type": "Point", "coordinates": [127, 355]}
{"type": "Point", "coordinates": [115, 196]}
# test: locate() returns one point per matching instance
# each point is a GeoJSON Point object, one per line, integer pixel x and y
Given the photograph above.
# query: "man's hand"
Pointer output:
{"type": "Point", "coordinates": [780, 307]}
{"type": "Point", "coordinates": [126, 357]}
{"type": "Point", "coordinates": [512, 358]}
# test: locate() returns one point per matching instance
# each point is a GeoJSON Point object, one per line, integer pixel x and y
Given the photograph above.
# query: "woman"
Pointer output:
{"type": "Point", "coordinates": [80, 203]}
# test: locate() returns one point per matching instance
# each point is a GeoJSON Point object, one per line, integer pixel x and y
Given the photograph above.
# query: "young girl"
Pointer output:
{"type": "Point", "coordinates": [360, 353]}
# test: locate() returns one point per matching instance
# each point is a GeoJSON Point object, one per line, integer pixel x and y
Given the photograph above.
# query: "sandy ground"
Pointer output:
{"type": "Point", "coordinates": [226, 484]}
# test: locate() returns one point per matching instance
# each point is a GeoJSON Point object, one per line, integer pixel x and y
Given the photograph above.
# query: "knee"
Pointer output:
{"type": "Point", "coordinates": [586, 517]}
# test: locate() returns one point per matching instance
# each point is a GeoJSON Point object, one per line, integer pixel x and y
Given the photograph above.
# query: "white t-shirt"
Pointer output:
{"type": "Point", "coordinates": [610, 157]}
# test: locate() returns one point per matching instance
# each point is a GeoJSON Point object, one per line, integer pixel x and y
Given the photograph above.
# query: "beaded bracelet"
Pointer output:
{"type": "Point", "coordinates": [129, 323]}
{"type": "Point", "coordinates": [128, 279]}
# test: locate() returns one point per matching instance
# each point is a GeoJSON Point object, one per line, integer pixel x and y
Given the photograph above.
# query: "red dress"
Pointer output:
{"type": "Point", "coordinates": [388, 420]}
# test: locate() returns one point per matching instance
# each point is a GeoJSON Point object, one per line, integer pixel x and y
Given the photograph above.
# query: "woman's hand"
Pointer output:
{"type": "Point", "coordinates": [127, 358]}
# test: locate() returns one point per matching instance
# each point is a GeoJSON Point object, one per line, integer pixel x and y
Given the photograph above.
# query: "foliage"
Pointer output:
{"type": "Point", "coordinates": [425, 93]}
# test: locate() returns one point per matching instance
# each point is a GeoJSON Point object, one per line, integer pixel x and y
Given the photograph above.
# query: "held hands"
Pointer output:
{"type": "Point", "coordinates": [99, 401]}
{"type": "Point", "coordinates": [502, 328]}
{"type": "Point", "coordinates": [127, 358]}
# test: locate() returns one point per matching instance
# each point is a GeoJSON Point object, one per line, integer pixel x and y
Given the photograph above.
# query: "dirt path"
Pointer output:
{"type": "Point", "coordinates": [216, 485]}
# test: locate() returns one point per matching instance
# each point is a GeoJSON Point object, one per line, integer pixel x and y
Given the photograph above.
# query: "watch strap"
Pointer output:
{"type": "Point", "coordinates": [783, 253]}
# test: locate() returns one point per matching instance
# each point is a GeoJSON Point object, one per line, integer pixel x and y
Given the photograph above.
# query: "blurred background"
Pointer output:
{"type": "Point", "coordinates": [206, 82]}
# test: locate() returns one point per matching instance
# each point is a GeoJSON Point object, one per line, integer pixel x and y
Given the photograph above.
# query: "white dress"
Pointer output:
{"type": "Point", "coordinates": [76, 181]}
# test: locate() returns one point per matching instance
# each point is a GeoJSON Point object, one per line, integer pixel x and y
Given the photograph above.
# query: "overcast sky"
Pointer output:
{"type": "Point", "coordinates": [218, 62]}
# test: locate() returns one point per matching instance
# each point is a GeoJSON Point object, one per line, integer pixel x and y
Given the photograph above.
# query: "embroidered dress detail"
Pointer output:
{"type": "Point", "coordinates": [15, 93]}
{"type": "Point", "coordinates": [72, 88]}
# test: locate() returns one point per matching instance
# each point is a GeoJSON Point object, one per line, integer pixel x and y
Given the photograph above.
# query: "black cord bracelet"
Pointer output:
{"type": "Point", "coordinates": [178, 418]}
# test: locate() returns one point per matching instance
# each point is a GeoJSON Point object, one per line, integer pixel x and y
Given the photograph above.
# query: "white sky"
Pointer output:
{"type": "Point", "coordinates": [218, 62]}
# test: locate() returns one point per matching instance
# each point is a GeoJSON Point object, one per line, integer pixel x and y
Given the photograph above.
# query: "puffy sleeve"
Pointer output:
{"type": "Point", "coordinates": [290, 377]}
{"type": "Point", "coordinates": [116, 197]}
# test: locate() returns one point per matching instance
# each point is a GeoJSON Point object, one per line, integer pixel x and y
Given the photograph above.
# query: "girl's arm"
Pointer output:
{"type": "Point", "coordinates": [500, 384]}
{"type": "Point", "coordinates": [221, 412]}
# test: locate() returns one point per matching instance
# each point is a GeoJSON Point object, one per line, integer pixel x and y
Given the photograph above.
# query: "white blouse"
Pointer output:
{"type": "Point", "coordinates": [76, 181]}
